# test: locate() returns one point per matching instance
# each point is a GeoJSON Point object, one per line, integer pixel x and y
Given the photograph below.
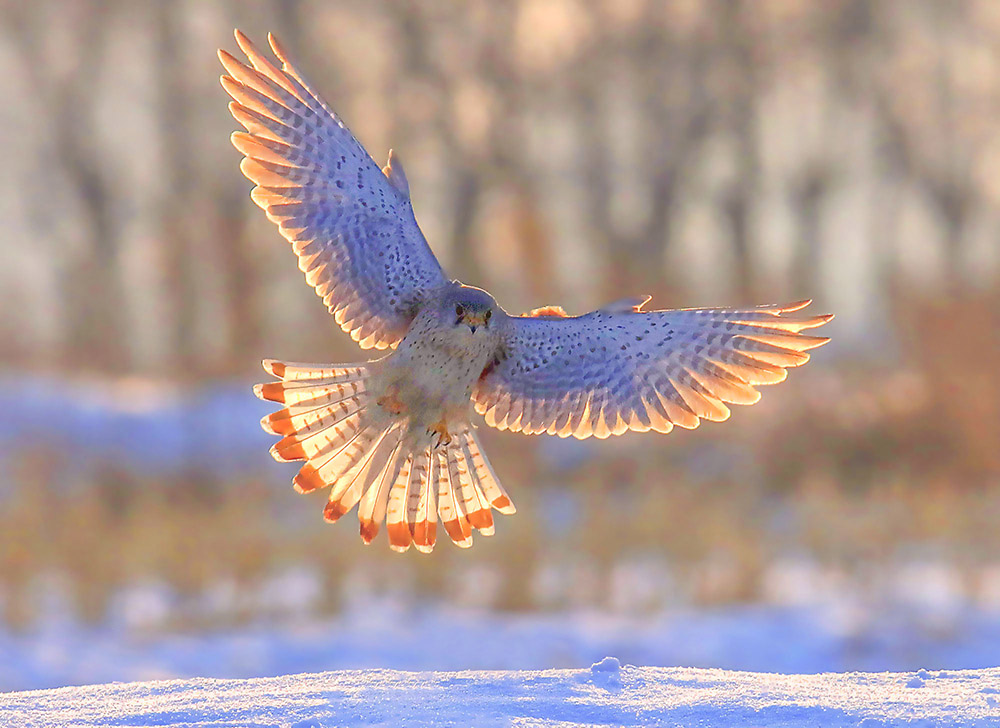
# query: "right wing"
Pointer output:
{"type": "Point", "coordinates": [621, 368]}
{"type": "Point", "coordinates": [350, 223]}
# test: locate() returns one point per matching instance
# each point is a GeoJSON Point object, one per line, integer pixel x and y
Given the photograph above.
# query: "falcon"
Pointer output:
{"type": "Point", "coordinates": [394, 436]}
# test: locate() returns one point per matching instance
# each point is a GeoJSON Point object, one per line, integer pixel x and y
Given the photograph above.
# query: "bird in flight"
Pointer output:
{"type": "Point", "coordinates": [394, 436]}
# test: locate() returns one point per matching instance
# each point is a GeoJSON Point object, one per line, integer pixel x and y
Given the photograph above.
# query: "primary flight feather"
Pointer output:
{"type": "Point", "coordinates": [394, 437]}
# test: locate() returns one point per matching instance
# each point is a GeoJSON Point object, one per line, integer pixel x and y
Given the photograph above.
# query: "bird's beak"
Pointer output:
{"type": "Point", "coordinates": [475, 321]}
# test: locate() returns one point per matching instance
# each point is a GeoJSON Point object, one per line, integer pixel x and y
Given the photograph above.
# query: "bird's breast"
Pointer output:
{"type": "Point", "coordinates": [433, 379]}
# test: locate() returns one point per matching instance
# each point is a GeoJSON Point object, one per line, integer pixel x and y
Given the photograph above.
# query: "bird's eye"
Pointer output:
{"type": "Point", "coordinates": [459, 310]}
{"type": "Point", "coordinates": [489, 315]}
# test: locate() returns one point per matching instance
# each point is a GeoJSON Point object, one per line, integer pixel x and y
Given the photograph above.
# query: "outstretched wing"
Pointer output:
{"type": "Point", "coordinates": [611, 370]}
{"type": "Point", "coordinates": [351, 225]}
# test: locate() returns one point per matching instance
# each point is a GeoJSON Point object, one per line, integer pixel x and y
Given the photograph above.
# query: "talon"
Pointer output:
{"type": "Point", "coordinates": [441, 430]}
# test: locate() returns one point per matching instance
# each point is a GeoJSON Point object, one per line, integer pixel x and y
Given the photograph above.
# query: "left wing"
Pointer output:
{"type": "Point", "coordinates": [614, 370]}
{"type": "Point", "coordinates": [350, 223]}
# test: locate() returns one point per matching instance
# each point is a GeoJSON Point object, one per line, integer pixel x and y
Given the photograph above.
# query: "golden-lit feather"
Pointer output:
{"type": "Point", "coordinates": [622, 368]}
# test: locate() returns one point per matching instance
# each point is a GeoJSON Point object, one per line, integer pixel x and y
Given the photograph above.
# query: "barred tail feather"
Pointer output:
{"type": "Point", "coordinates": [312, 440]}
{"type": "Point", "coordinates": [473, 501]}
{"type": "Point", "coordinates": [309, 394]}
{"type": "Point", "coordinates": [312, 419]}
{"type": "Point", "coordinates": [399, 495]}
{"type": "Point", "coordinates": [452, 517]}
{"type": "Point", "coordinates": [421, 512]}
{"type": "Point", "coordinates": [344, 475]}
{"type": "Point", "coordinates": [292, 371]}
{"type": "Point", "coordinates": [467, 489]}
{"type": "Point", "coordinates": [488, 480]}
{"type": "Point", "coordinates": [335, 469]}
{"type": "Point", "coordinates": [382, 470]}
{"type": "Point", "coordinates": [374, 461]}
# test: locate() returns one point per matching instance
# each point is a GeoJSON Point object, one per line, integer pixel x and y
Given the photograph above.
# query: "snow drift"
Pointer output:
{"type": "Point", "coordinates": [606, 694]}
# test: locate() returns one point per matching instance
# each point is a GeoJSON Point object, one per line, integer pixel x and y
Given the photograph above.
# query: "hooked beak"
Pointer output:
{"type": "Point", "coordinates": [474, 322]}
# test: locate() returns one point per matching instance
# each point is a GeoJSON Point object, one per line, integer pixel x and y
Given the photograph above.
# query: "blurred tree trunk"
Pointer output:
{"type": "Point", "coordinates": [738, 200]}
{"type": "Point", "coordinates": [92, 284]}
{"type": "Point", "coordinates": [177, 228]}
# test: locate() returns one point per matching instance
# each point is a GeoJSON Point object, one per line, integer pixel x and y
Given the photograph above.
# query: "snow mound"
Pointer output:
{"type": "Point", "coordinates": [606, 694]}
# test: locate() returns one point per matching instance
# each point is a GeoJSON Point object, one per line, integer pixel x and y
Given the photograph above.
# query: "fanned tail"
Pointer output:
{"type": "Point", "coordinates": [374, 460]}
{"type": "Point", "coordinates": [467, 490]}
{"type": "Point", "coordinates": [454, 483]}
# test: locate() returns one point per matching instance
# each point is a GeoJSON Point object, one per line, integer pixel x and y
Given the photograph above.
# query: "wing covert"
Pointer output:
{"type": "Point", "coordinates": [614, 370]}
{"type": "Point", "coordinates": [350, 224]}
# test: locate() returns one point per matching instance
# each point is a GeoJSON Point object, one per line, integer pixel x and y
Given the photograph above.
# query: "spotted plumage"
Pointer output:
{"type": "Point", "coordinates": [394, 437]}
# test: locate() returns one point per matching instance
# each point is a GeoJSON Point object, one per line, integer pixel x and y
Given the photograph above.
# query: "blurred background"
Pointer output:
{"type": "Point", "coordinates": [716, 152]}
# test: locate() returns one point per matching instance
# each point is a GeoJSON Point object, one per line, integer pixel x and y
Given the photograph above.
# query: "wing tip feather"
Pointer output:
{"type": "Point", "coordinates": [242, 40]}
{"type": "Point", "coordinates": [278, 49]}
{"type": "Point", "coordinates": [787, 307]}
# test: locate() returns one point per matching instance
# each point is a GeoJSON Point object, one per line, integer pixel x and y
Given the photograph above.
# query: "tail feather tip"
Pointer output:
{"type": "Point", "coordinates": [399, 536]}
{"type": "Point", "coordinates": [333, 511]}
{"type": "Point", "coordinates": [504, 505]}
{"type": "Point", "coordinates": [266, 426]}
{"type": "Point", "coordinates": [288, 449]}
{"type": "Point", "coordinates": [482, 520]}
{"type": "Point", "coordinates": [424, 536]}
{"type": "Point", "coordinates": [308, 479]}
{"type": "Point", "coordinates": [274, 367]}
{"type": "Point", "coordinates": [272, 392]}
{"type": "Point", "coordinates": [277, 423]}
{"type": "Point", "coordinates": [459, 533]}
{"type": "Point", "coordinates": [368, 530]}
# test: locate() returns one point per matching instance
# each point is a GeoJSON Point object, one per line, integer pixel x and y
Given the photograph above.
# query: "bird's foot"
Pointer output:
{"type": "Point", "coordinates": [440, 431]}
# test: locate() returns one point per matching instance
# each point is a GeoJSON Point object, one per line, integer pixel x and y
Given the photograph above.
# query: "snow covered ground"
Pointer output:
{"type": "Point", "coordinates": [605, 694]}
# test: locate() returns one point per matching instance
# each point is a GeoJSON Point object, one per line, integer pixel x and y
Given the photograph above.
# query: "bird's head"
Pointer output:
{"type": "Point", "coordinates": [469, 306]}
